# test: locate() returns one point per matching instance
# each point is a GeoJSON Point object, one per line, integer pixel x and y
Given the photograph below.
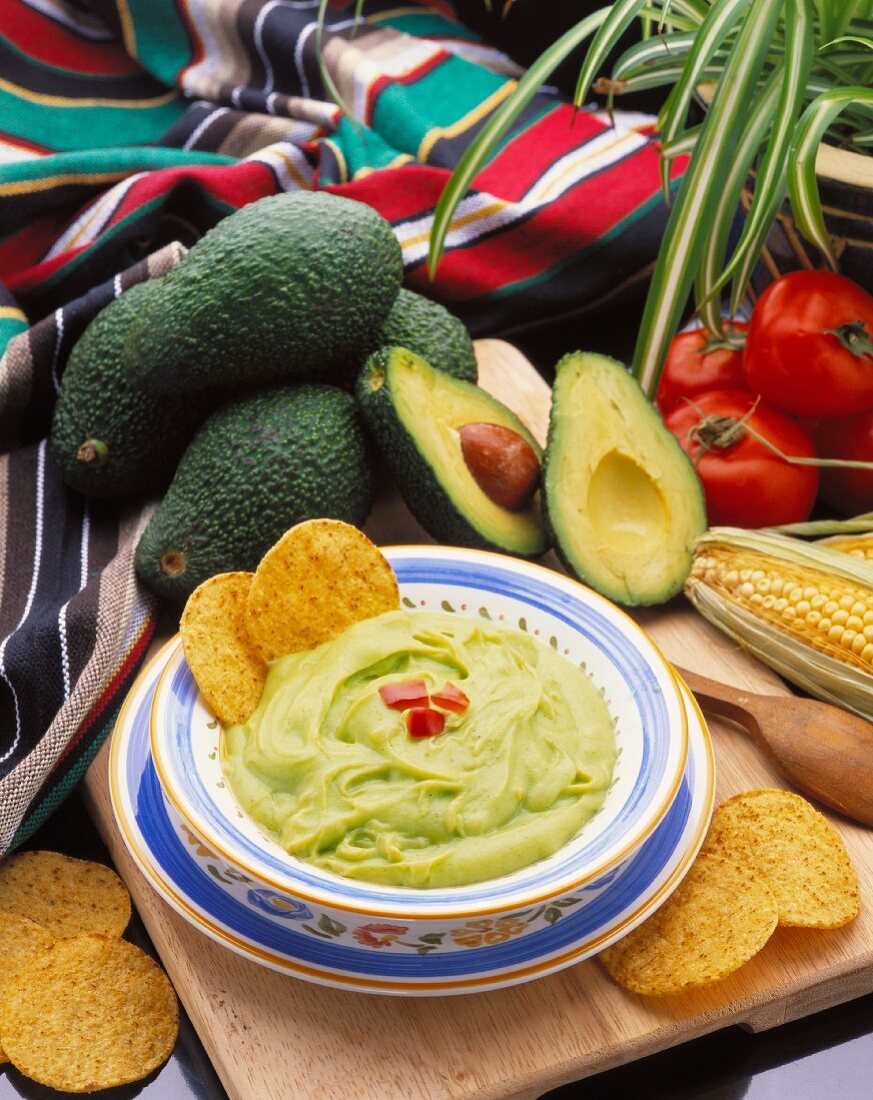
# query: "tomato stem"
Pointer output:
{"type": "Point", "coordinates": [854, 337]}
{"type": "Point", "coordinates": [718, 433]}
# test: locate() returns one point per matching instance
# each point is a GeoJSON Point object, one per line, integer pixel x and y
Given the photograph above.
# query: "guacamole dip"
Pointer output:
{"type": "Point", "coordinates": [333, 773]}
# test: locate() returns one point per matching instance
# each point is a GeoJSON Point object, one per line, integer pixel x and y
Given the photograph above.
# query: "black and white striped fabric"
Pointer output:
{"type": "Point", "coordinates": [74, 623]}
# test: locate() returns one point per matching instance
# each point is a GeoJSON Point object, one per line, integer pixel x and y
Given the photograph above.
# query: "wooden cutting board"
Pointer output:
{"type": "Point", "coordinates": [271, 1035]}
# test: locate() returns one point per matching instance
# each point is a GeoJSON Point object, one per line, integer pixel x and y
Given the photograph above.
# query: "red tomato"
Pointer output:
{"type": "Point", "coordinates": [425, 722]}
{"type": "Point", "coordinates": [846, 437]}
{"type": "Point", "coordinates": [809, 348]}
{"type": "Point", "coordinates": [697, 362]}
{"type": "Point", "coordinates": [746, 485]}
{"type": "Point", "coordinates": [405, 694]}
{"type": "Point", "coordinates": [451, 698]}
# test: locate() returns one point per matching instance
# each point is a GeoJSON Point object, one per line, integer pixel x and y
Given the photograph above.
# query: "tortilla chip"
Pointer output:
{"type": "Point", "coordinates": [20, 940]}
{"type": "Point", "coordinates": [219, 652]}
{"type": "Point", "coordinates": [796, 849]}
{"type": "Point", "coordinates": [89, 1013]}
{"type": "Point", "coordinates": [719, 916]}
{"type": "Point", "coordinates": [320, 578]}
{"type": "Point", "coordinates": [66, 896]}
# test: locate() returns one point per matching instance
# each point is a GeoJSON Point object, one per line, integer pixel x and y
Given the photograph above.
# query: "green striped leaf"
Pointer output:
{"type": "Point", "coordinates": [722, 19]}
{"type": "Point", "coordinates": [771, 183]}
{"type": "Point", "coordinates": [619, 17]}
{"type": "Point", "coordinates": [684, 237]}
{"type": "Point", "coordinates": [666, 49]}
{"type": "Point", "coordinates": [478, 151]}
{"type": "Point", "coordinates": [727, 203]}
{"type": "Point", "coordinates": [802, 187]}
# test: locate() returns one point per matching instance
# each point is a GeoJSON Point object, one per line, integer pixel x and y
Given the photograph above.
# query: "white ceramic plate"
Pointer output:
{"type": "Point", "coordinates": [282, 933]}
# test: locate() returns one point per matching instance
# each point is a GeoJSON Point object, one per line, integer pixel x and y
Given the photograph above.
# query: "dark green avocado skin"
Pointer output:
{"type": "Point", "coordinates": [259, 465]}
{"type": "Point", "coordinates": [101, 398]}
{"type": "Point", "coordinates": [419, 483]}
{"type": "Point", "coordinates": [285, 288]}
{"type": "Point", "coordinates": [428, 329]}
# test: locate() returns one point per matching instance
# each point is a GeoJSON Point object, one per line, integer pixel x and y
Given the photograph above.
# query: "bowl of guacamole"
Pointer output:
{"type": "Point", "coordinates": [561, 745]}
{"type": "Point", "coordinates": [424, 749]}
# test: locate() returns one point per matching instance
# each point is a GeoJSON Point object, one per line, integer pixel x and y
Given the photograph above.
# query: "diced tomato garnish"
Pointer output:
{"type": "Point", "coordinates": [402, 696]}
{"type": "Point", "coordinates": [425, 722]}
{"type": "Point", "coordinates": [450, 698]}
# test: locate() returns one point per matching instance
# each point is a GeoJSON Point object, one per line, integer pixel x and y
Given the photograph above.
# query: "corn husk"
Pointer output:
{"type": "Point", "coordinates": [828, 668]}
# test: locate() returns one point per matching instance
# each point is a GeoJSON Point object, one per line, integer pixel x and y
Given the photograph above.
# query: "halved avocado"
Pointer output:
{"type": "Point", "coordinates": [415, 414]}
{"type": "Point", "coordinates": [623, 502]}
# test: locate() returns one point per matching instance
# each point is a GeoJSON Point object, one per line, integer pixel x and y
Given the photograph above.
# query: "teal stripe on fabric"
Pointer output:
{"type": "Point", "coordinates": [65, 127]}
{"type": "Point", "coordinates": [425, 25]}
{"type": "Point", "coordinates": [45, 807]}
{"type": "Point", "coordinates": [9, 327]}
{"type": "Point", "coordinates": [124, 161]}
{"type": "Point", "coordinates": [405, 113]}
{"type": "Point", "coordinates": [156, 32]}
{"type": "Point", "coordinates": [362, 147]}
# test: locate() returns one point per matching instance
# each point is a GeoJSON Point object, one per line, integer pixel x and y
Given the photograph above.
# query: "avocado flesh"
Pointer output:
{"type": "Point", "coordinates": [623, 501]}
{"type": "Point", "coordinates": [415, 413]}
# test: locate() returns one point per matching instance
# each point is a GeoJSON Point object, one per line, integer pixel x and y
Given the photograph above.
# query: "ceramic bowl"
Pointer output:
{"type": "Point", "coordinates": [390, 956]}
{"type": "Point", "coordinates": [636, 683]}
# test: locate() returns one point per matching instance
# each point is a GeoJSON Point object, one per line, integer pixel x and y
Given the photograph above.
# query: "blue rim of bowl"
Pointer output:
{"type": "Point", "coordinates": [637, 659]}
{"type": "Point", "coordinates": [210, 925]}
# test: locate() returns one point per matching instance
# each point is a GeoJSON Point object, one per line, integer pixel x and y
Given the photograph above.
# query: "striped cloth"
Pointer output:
{"type": "Point", "coordinates": [128, 128]}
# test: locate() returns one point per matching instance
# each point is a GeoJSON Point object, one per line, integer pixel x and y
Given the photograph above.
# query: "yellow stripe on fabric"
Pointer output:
{"type": "Point", "coordinates": [340, 158]}
{"type": "Point", "coordinates": [458, 223]}
{"type": "Point", "coordinates": [578, 162]}
{"type": "Point", "coordinates": [294, 172]}
{"type": "Point", "coordinates": [12, 313]}
{"type": "Point", "coordinates": [63, 101]}
{"type": "Point", "coordinates": [25, 187]}
{"type": "Point", "coordinates": [403, 158]}
{"type": "Point", "coordinates": [128, 31]}
{"type": "Point", "coordinates": [470, 119]}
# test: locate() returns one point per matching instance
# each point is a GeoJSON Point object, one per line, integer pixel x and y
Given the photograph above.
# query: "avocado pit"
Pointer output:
{"type": "Point", "coordinates": [503, 463]}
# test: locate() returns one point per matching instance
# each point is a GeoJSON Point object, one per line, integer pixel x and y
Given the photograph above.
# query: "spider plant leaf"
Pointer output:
{"type": "Point", "coordinates": [770, 184]}
{"type": "Point", "coordinates": [690, 219]}
{"type": "Point", "coordinates": [683, 144]}
{"type": "Point", "coordinates": [805, 201]}
{"type": "Point", "coordinates": [326, 78]}
{"type": "Point", "coordinates": [666, 49]}
{"type": "Point", "coordinates": [857, 38]}
{"type": "Point", "coordinates": [480, 149]}
{"type": "Point", "coordinates": [619, 17]}
{"type": "Point", "coordinates": [727, 202]}
{"type": "Point", "coordinates": [721, 20]}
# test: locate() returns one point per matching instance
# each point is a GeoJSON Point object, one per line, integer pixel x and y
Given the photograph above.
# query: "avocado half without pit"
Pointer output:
{"type": "Point", "coordinates": [623, 502]}
{"type": "Point", "coordinates": [467, 468]}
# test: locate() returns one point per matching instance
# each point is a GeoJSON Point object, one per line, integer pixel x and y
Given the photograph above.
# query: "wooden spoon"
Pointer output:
{"type": "Point", "coordinates": [824, 751]}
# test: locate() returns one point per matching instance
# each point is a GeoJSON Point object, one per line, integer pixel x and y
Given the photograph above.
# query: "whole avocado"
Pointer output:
{"type": "Point", "coordinates": [286, 287]}
{"type": "Point", "coordinates": [258, 465]}
{"type": "Point", "coordinates": [431, 331]}
{"type": "Point", "coordinates": [107, 439]}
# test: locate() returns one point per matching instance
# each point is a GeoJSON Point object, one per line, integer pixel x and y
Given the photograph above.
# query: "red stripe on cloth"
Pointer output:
{"type": "Point", "coordinates": [25, 281]}
{"type": "Point", "coordinates": [593, 208]}
{"type": "Point", "coordinates": [28, 245]}
{"type": "Point", "coordinates": [524, 159]}
{"type": "Point", "coordinates": [397, 193]}
{"type": "Point", "coordinates": [22, 143]}
{"type": "Point", "coordinates": [106, 697]}
{"type": "Point", "coordinates": [45, 40]}
{"type": "Point", "coordinates": [236, 184]}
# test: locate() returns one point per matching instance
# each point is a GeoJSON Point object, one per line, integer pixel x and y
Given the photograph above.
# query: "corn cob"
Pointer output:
{"type": "Point", "coordinates": [859, 546]}
{"type": "Point", "coordinates": [806, 610]}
